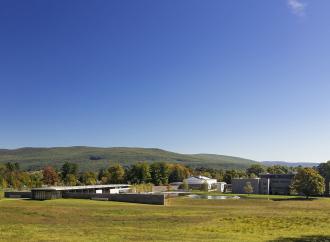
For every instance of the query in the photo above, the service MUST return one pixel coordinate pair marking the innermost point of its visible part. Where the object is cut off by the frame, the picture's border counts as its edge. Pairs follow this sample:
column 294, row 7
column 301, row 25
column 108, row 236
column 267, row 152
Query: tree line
column 157, row 173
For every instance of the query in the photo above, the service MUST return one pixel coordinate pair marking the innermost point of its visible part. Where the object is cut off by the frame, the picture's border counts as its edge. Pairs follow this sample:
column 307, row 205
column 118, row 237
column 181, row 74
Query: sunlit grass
column 183, row 219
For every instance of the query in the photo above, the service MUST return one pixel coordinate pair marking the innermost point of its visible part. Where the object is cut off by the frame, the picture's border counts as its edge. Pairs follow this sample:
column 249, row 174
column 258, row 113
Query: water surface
column 211, row 197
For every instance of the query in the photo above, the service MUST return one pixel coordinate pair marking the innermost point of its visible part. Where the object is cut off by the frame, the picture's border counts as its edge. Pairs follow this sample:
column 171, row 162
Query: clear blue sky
column 244, row 78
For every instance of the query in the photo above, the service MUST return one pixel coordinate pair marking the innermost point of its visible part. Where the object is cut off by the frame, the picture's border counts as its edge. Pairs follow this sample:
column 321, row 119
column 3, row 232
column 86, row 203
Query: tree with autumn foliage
column 50, row 176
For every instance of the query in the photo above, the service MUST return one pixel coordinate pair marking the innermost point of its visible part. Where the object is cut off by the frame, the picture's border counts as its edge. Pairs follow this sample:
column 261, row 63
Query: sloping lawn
column 182, row 219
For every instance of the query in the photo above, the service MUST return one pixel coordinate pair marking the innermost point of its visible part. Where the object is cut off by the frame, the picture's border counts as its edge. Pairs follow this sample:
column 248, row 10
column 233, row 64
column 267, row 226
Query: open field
column 183, row 219
column 250, row 196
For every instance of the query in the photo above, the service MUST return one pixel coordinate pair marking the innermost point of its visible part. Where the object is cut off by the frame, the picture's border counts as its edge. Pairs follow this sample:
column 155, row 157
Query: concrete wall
column 238, row 185
column 279, row 183
column 83, row 195
column 157, row 199
column 18, row 194
column 46, row 195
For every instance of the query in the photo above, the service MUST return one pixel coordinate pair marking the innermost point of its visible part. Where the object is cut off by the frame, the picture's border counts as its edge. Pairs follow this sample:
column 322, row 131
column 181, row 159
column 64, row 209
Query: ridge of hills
column 94, row 158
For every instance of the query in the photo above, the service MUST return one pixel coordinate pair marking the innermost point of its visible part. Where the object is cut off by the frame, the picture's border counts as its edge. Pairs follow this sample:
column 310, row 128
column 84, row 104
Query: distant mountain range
column 292, row 164
column 94, row 158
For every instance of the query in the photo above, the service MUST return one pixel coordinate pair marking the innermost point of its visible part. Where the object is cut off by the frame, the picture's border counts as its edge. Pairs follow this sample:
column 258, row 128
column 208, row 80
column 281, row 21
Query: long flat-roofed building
column 275, row 184
column 279, row 184
column 46, row 193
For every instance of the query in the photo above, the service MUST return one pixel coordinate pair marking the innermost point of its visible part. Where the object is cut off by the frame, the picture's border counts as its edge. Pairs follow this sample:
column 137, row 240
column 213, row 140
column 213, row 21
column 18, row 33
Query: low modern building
column 238, row 185
column 196, row 182
column 276, row 184
column 45, row 193
column 279, row 184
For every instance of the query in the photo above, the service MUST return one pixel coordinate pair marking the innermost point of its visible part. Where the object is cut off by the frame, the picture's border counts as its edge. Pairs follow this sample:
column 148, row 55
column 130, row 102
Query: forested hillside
column 94, row 158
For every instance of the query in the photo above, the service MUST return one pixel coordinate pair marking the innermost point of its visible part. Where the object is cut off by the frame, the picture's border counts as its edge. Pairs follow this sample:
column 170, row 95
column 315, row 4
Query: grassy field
column 250, row 196
column 183, row 219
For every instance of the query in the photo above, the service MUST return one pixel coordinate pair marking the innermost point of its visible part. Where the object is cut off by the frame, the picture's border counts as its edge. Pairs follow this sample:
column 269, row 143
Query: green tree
column 3, row 183
column 324, row 170
column 159, row 172
column 256, row 169
column 12, row 167
column 33, row 179
column 69, row 168
column 88, row 178
column 185, row 185
column 278, row 169
column 103, row 176
column 209, row 172
column 116, row 174
column 70, row 180
column 248, row 188
column 139, row 173
column 252, row 175
column 178, row 173
column 308, row 182
column 13, row 176
column 233, row 173
column 69, row 173
column 218, row 174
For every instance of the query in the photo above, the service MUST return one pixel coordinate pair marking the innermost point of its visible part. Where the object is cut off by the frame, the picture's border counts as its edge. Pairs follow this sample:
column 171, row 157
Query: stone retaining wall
column 157, row 199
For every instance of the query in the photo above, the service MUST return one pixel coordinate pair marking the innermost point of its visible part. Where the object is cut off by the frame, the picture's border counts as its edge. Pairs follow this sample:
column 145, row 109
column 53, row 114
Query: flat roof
column 67, row 188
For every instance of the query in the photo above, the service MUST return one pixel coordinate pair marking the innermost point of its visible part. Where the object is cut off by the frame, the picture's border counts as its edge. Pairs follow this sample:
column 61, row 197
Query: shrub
column 185, row 185
column 248, row 188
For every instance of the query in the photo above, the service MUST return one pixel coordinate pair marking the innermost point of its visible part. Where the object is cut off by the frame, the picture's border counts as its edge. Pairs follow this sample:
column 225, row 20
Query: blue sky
column 244, row 78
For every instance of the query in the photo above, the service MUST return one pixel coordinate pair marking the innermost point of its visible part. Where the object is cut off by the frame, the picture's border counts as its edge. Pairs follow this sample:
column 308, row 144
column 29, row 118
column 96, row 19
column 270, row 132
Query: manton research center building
column 276, row 184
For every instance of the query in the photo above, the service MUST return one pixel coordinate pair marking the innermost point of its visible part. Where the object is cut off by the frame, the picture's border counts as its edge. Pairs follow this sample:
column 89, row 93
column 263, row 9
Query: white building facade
column 196, row 182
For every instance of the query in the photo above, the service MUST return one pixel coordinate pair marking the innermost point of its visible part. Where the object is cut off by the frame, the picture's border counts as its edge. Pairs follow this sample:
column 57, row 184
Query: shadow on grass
column 309, row 238
column 294, row 199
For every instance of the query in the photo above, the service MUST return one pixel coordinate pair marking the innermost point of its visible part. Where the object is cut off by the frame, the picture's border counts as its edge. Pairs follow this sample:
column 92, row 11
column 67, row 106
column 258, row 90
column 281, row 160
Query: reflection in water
column 214, row 197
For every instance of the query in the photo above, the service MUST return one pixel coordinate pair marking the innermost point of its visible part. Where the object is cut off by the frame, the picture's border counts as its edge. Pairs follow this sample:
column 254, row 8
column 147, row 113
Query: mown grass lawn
column 183, row 219
column 252, row 196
